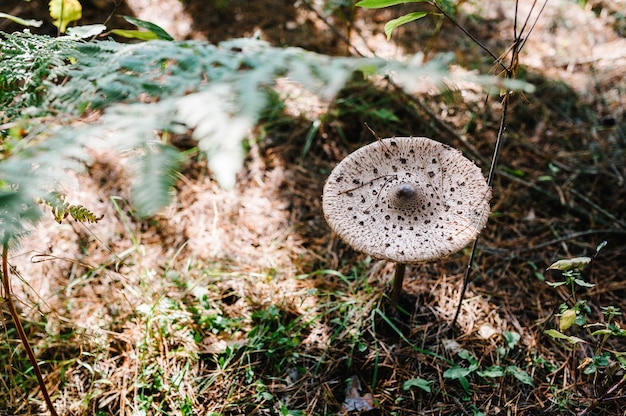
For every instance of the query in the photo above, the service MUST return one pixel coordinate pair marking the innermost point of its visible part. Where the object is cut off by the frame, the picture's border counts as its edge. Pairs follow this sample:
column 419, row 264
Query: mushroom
column 407, row 200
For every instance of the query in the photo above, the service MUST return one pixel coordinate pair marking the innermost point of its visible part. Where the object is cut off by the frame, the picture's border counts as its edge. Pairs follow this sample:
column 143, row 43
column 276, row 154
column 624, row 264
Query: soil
column 559, row 191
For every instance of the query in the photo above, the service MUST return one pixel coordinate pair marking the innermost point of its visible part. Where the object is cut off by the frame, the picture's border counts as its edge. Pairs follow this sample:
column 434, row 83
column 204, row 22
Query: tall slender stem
column 20, row 329
column 492, row 170
column 398, row 278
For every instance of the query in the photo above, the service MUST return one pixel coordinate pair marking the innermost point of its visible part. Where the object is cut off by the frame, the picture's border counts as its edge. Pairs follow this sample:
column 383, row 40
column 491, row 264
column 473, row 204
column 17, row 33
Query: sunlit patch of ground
column 242, row 302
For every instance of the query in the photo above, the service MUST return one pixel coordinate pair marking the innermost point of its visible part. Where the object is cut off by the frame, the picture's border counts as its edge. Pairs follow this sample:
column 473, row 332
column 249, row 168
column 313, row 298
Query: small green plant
column 60, row 210
column 499, row 369
column 575, row 315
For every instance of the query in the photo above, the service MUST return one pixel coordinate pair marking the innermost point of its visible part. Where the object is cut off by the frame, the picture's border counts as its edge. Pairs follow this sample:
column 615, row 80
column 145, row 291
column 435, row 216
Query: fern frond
column 61, row 209
column 81, row 214
column 155, row 177
column 31, row 173
column 217, row 91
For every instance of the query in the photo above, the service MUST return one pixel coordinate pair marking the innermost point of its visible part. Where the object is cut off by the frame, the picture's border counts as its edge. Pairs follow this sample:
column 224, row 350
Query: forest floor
column 242, row 302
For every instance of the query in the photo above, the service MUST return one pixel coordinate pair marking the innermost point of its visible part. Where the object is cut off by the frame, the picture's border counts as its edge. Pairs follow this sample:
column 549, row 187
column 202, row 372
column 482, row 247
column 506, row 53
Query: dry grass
column 242, row 302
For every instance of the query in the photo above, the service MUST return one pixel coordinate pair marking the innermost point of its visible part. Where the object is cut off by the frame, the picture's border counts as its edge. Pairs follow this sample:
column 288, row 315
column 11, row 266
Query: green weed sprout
column 578, row 312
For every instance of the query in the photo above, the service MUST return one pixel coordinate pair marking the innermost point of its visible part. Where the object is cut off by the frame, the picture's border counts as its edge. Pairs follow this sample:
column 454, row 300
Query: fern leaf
column 217, row 91
column 82, row 214
column 155, row 177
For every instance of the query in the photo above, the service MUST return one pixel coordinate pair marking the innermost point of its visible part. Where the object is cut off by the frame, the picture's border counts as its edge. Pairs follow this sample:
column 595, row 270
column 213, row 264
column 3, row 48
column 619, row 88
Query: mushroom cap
column 406, row 199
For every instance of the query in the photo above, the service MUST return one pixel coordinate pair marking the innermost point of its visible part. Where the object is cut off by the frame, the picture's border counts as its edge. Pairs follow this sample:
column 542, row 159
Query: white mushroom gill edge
column 406, row 199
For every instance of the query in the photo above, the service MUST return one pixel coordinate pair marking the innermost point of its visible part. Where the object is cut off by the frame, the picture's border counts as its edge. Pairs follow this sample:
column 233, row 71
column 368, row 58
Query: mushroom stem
column 398, row 277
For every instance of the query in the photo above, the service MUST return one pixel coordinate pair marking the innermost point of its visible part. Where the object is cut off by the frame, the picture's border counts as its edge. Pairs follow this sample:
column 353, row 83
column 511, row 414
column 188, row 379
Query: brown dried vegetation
column 243, row 302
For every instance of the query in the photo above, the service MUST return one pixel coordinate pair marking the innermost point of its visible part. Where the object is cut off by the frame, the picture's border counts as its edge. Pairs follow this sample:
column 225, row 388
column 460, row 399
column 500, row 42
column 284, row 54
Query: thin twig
column 333, row 28
column 604, row 396
column 492, row 171
column 472, row 37
column 439, row 123
column 20, row 329
column 598, row 208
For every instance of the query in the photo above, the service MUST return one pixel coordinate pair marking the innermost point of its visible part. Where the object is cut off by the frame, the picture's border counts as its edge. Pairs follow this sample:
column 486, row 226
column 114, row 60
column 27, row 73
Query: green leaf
column 379, row 4
column 466, row 355
column 20, row 21
column 601, row 332
column 135, row 34
column 519, row 374
column 391, row 25
column 581, row 282
column 577, row 263
column 64, row 12
column 151, row 27
column 515, row 172
column 464, row 382
column 457, row 372
column 568, row 318
column 418, row 382
column 87, row 31
column 492, row 372
column 557, row 335
column 511, row 338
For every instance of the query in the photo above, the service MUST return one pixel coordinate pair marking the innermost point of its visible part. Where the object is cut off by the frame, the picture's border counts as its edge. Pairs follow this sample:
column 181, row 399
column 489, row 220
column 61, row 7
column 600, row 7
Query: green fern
column 62, row 209
column 216, row 91
column 30, row 172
